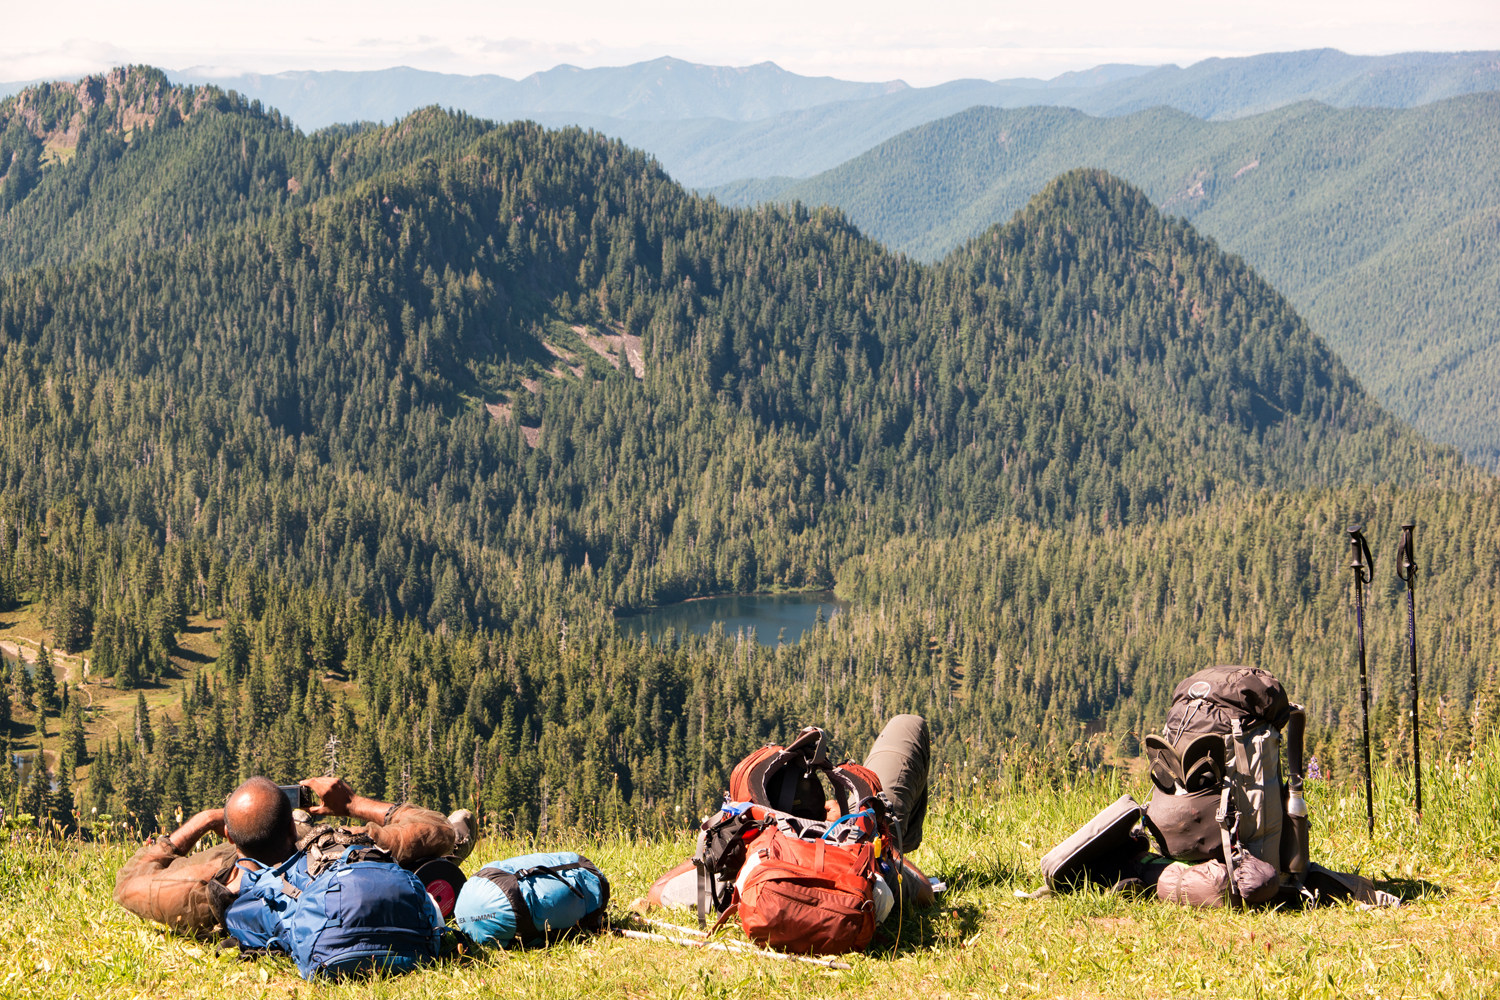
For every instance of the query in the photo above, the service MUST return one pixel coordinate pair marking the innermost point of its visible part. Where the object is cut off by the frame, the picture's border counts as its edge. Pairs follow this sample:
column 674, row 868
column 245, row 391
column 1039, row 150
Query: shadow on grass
column 977, row 872
column 940, row 925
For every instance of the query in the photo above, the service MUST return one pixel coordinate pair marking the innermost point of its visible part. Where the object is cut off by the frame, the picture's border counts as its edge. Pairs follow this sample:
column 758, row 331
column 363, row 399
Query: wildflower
column 1314, row 770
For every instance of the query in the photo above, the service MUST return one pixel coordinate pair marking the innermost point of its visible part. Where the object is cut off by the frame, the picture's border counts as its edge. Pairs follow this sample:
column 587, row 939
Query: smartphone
column 299, row 796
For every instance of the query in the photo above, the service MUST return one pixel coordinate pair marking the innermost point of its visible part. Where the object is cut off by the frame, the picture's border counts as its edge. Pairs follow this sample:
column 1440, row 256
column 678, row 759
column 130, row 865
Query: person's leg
column 899, row 759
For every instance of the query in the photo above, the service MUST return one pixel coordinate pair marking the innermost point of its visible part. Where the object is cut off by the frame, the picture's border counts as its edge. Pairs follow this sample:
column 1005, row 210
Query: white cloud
column 855, row 39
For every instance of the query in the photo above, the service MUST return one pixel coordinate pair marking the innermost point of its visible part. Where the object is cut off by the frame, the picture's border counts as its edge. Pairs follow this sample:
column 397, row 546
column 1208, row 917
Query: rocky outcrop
column 123, row 100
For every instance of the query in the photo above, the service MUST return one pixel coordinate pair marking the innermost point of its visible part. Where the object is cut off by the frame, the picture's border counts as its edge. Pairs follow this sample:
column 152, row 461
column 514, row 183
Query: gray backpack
column 1235, row 831
column 1216, row 770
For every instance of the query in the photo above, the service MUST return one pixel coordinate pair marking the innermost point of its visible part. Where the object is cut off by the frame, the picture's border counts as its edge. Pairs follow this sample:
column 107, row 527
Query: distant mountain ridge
column 711, row 124
column 664, row 89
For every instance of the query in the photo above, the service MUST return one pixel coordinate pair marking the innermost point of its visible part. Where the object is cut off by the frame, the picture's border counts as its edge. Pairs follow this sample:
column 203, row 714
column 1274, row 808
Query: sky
column 921, row 43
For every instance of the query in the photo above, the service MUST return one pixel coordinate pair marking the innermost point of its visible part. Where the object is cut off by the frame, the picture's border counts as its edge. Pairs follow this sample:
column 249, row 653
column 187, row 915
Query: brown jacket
column 189, row 893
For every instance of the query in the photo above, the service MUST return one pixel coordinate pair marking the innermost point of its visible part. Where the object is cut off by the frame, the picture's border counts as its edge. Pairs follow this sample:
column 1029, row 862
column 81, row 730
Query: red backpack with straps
column 808, row 896
column 797, row 880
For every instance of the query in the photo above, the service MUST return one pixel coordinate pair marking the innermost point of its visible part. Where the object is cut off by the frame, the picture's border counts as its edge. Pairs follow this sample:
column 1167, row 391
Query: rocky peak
column 123, row 100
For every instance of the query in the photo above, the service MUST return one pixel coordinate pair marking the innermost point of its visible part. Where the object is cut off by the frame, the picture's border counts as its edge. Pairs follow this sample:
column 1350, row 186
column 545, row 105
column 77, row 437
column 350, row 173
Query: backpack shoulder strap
column 748, row 781
column 852, row 784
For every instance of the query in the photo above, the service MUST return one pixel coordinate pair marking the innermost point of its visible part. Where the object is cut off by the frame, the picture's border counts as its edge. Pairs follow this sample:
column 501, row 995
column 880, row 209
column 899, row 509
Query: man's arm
column 186, row 836
column 163, row 882
column 410, row 833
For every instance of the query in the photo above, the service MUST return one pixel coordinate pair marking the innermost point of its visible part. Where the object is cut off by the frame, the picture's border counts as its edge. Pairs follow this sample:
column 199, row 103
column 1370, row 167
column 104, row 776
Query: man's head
column 258, row 819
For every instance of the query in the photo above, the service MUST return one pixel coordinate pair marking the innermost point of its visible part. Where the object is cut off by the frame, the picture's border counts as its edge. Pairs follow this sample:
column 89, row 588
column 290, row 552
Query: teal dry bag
column 532, row 898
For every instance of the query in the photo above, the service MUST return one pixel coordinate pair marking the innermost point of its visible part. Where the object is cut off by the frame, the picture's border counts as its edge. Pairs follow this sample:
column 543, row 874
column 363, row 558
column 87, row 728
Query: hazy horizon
column 959, row 39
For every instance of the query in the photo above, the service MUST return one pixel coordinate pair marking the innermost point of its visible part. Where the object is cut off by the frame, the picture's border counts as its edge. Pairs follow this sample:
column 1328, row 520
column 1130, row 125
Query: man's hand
column 213, row 820
column 334, row 793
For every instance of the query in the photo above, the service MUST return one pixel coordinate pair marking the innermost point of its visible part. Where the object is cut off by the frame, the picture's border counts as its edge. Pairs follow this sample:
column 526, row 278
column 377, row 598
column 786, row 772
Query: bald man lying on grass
column 189, row 892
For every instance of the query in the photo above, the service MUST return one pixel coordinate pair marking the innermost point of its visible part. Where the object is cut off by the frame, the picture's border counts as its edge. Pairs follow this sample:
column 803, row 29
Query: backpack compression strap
column 510, row 885
column 1229, row 821
column 554, row 871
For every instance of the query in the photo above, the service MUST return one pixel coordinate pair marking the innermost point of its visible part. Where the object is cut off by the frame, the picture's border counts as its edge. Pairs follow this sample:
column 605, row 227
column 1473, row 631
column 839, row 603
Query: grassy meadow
column 61, row 934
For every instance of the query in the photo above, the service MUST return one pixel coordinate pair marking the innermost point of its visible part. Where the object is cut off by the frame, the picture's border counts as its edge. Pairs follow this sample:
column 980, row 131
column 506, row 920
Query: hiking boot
column 465, row 830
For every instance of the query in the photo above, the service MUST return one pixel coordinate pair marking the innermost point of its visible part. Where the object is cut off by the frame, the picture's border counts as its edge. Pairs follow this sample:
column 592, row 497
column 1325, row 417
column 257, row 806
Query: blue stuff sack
column 532, row 898
column 362, row 913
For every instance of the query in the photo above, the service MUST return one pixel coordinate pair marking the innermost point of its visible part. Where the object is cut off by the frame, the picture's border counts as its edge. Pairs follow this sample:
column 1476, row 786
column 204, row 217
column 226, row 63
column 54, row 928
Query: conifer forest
column 341, row 452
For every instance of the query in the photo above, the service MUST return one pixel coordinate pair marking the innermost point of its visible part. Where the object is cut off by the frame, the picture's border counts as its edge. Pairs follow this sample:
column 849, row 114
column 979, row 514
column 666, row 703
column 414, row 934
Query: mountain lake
column 773, row 617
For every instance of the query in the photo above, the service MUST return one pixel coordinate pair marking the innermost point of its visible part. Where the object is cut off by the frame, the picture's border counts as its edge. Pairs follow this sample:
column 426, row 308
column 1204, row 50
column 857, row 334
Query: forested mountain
column 336, row 357
column 228, row 163
column 1381, row 226
column 382, row 441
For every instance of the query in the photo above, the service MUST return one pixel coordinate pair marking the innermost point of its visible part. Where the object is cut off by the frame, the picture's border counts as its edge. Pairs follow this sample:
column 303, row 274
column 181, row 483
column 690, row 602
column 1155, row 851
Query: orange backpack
column 807, row 896
column 798, row 879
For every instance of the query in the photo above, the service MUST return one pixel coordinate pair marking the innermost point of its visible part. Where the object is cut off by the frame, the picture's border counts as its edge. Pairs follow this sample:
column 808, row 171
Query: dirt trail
column 14, row 648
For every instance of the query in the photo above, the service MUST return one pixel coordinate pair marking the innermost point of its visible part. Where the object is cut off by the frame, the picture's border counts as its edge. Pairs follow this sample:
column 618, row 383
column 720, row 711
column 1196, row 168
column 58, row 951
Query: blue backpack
column 355, row 910
column 254, row 918
column 531, row 898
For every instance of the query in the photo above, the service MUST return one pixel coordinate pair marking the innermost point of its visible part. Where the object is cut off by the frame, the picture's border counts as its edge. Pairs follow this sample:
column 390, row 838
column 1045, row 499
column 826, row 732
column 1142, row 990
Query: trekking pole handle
column 1406, row 569
column 1363, row 562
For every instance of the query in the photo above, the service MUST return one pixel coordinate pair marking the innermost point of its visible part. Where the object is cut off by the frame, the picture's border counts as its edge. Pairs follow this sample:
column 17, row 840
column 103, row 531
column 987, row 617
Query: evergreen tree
column 36, row 797
column 73, row 751
column 145, row 737
column 234, row 646
column 8, row 780
column 46, row 682
column 22, row 686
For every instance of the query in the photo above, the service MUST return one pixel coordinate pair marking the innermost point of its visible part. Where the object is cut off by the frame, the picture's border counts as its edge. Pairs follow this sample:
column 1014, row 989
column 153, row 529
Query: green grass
column 61, row 935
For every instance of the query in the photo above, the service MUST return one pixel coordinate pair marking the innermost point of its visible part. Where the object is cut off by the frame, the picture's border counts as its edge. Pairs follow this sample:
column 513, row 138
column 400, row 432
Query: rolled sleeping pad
column 1207, row 884
column 677, row 887
column 1294, row 834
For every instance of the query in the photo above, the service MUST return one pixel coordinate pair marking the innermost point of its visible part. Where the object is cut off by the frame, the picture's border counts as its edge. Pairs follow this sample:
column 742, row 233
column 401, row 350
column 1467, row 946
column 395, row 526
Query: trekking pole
column 1363, row 564
column 1407, row 571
